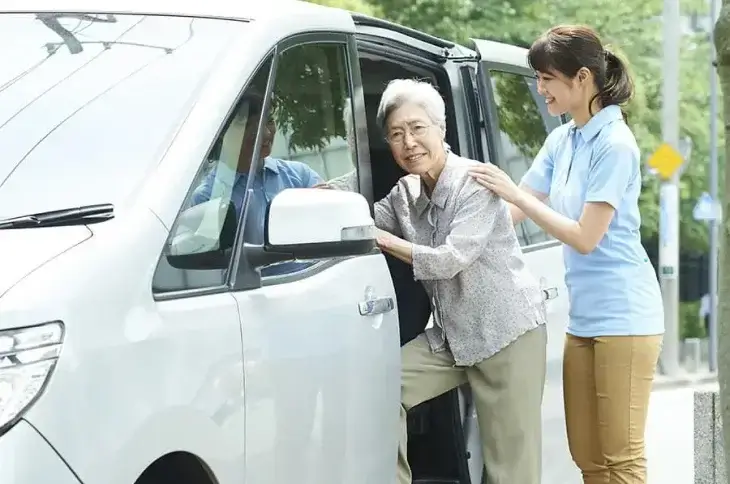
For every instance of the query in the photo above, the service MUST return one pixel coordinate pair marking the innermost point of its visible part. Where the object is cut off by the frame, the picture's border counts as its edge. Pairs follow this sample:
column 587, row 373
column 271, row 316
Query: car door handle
column 377, row 305
column 549, row 293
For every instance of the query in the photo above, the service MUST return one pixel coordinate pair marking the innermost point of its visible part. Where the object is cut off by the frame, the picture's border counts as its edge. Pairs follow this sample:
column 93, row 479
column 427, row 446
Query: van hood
column 24, row 250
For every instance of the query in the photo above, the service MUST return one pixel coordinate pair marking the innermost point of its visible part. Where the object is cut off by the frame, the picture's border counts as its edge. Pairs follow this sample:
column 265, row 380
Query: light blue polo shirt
column 613, row 290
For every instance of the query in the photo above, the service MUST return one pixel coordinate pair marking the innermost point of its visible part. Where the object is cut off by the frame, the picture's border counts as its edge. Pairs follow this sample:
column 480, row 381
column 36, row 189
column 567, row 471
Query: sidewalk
column 684, row 380
column 670, row 434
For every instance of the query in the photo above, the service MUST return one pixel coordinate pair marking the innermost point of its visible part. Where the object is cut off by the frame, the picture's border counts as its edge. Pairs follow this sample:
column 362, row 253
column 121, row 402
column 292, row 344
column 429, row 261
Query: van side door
column 320, row 338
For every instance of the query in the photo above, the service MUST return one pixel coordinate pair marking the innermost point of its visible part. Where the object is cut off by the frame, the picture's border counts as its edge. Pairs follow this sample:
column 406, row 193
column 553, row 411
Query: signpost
column 667, row 162
column 706, row 209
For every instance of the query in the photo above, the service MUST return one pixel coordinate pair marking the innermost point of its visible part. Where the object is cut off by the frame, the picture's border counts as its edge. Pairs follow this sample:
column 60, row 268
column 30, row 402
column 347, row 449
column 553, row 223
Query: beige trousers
column 606, row 386
column 507, row 389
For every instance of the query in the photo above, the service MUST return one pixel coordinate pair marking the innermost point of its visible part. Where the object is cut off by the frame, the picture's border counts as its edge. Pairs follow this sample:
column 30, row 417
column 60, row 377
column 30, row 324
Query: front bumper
column 26, row 458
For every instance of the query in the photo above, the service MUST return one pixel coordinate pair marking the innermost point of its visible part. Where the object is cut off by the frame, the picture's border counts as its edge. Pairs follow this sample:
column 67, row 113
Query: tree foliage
column 314, row 73
column 632, row 29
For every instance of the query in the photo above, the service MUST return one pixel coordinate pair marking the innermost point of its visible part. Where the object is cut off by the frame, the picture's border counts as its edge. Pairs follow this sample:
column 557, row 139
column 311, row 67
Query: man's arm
column 309, row 177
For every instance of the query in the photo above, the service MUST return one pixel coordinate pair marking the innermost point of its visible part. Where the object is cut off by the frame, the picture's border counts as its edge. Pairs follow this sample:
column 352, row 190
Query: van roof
column 251, row 10
column 241, row 10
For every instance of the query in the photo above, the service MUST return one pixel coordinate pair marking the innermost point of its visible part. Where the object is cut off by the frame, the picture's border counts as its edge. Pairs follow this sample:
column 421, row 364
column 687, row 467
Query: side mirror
column 312, row 223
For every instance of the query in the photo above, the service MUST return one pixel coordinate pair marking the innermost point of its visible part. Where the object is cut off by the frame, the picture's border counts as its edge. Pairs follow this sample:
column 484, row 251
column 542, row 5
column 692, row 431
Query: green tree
column 360, row 6
column 312, row 74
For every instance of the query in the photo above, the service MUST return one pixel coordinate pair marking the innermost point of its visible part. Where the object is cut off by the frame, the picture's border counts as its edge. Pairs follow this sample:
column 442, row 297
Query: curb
column 663, row 382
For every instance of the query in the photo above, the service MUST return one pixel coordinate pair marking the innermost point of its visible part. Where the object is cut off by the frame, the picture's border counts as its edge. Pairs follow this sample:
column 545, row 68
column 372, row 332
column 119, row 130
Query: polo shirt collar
column 271, row 164
column 594, row 125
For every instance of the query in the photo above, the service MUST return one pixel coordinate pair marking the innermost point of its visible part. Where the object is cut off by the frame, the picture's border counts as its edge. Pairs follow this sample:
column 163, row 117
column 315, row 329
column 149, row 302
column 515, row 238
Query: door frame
column 242, row 276
column 488, row 104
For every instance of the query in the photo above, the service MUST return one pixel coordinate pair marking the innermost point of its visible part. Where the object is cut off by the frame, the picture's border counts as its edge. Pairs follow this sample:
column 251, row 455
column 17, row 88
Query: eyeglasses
column 398, row 136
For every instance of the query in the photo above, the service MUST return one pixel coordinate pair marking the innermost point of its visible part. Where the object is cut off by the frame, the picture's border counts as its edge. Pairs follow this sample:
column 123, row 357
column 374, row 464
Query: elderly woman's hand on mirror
column 492, row 177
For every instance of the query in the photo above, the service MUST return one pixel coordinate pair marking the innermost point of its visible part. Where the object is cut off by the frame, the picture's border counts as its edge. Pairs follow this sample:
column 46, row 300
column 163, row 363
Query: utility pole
column 714, row 181
column 669, row 193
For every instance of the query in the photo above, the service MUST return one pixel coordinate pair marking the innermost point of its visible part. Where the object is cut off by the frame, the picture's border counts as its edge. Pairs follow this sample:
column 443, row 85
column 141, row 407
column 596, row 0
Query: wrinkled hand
column 491, row 176
column 324, row 185
column 382, row 238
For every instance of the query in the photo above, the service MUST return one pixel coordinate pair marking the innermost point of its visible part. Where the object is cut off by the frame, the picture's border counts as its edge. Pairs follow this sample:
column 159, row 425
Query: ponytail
column 617, row 88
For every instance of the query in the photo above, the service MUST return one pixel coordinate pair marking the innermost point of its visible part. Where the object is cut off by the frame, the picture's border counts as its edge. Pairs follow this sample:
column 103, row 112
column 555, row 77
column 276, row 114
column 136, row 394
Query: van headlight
column 27, row 358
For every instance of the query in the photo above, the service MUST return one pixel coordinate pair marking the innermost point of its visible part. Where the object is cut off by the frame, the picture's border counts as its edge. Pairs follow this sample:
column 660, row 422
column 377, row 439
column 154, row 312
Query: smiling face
column 562, row 94
column 416, row 142
column 571, row 67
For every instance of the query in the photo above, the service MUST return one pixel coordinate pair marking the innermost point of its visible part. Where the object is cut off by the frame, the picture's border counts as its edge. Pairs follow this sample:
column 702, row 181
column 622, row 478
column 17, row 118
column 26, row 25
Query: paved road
column 558, row 467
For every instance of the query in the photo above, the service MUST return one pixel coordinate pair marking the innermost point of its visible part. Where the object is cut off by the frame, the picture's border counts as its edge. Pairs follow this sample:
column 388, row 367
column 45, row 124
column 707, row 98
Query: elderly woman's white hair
column 411, row 91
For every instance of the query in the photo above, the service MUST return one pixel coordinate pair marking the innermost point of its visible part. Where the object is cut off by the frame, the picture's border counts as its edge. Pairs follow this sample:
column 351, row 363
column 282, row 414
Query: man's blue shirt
column 276, row 175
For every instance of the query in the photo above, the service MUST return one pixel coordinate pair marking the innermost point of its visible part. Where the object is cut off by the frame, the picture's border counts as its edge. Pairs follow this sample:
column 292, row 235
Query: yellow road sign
column 666, row 161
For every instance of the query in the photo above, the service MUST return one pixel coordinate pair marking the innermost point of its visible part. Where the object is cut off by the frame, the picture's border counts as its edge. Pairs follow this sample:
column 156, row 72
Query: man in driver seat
column 229, row 178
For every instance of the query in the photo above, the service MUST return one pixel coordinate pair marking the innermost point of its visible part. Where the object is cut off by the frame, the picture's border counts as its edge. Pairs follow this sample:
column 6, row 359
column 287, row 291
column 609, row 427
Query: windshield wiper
column 88, row 214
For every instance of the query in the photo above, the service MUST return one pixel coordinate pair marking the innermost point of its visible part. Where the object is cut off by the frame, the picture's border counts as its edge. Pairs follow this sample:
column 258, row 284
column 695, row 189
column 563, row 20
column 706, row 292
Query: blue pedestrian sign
column 706, row 208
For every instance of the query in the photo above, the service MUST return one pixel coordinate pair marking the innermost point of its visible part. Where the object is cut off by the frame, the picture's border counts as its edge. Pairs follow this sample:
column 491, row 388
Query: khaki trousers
column 507, row 389
column 606, row 386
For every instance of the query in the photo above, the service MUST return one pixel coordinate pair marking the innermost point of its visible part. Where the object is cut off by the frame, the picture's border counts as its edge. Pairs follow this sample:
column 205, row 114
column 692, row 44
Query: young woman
column 590, row 170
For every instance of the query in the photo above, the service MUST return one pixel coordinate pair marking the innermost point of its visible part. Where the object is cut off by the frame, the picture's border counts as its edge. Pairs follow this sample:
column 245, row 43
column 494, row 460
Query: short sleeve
column 612, row 169
column 540, row 175
column 310, row 177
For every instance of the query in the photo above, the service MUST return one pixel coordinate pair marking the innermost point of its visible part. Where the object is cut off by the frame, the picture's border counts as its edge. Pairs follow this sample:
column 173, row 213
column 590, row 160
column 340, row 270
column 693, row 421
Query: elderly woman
column 488, row 311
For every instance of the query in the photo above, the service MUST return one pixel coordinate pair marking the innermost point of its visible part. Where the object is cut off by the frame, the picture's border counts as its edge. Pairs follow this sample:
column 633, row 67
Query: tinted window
column 88, row 103
column 200, row 246
column 305, row 141
column 311, row 112
column 523, row 130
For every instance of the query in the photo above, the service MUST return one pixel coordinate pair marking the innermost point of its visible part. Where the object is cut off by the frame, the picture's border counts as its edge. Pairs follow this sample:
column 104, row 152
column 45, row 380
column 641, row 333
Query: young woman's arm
column 516, row 212
column 536, row 181
column 583, row 235
column 613, row 169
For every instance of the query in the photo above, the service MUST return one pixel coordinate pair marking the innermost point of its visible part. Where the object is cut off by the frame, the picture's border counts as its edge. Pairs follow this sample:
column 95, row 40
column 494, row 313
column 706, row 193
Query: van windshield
column 89, row 102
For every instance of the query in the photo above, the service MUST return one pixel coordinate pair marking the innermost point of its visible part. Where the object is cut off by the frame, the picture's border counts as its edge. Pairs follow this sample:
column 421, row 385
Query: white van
column 150, row 337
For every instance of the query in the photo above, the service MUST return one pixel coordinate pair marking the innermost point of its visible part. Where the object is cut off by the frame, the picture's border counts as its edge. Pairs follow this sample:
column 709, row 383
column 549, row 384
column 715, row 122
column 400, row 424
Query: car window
column 89, row 103
column 311, row 116
column 312, row 109
column 522, row 131
column 200, row 246
column 304, row 142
